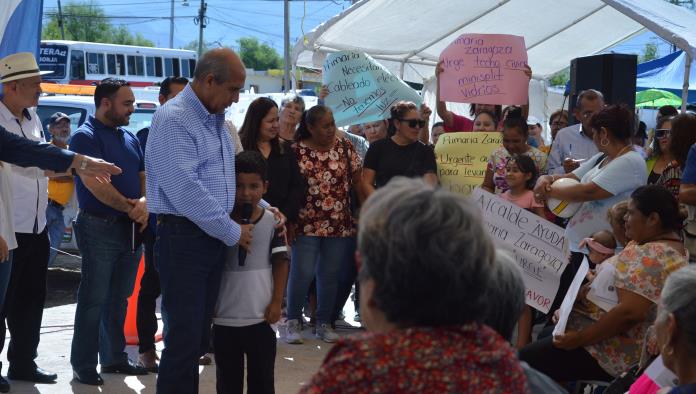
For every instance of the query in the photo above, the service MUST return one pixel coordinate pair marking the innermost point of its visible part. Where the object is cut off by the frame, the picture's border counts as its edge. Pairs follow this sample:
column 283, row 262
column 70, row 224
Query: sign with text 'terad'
column 362, row 90
column 462, row 159
column 485, row 69
column 538, row 246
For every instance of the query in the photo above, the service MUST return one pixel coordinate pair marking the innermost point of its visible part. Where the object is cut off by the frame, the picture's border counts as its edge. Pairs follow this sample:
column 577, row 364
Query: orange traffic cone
column 130, row 328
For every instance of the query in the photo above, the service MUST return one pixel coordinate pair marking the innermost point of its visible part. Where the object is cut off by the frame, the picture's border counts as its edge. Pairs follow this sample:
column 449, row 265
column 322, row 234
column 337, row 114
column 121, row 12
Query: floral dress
column 326, row 207
column 499, row 159
column 640, row 269
column 455, row 359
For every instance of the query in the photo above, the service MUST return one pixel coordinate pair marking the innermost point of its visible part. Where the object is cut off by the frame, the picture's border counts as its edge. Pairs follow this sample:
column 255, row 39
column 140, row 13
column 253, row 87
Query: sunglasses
column 413, row 123
column 662, row 133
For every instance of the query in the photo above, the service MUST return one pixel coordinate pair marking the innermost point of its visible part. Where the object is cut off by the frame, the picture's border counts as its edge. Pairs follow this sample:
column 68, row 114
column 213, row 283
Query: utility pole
column 171, row 27
column 60, row 21
column 287, row 46
column 201, row 25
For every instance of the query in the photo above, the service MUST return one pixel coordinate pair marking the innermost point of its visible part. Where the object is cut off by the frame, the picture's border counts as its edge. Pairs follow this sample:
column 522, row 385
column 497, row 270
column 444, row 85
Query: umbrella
column 656, row 98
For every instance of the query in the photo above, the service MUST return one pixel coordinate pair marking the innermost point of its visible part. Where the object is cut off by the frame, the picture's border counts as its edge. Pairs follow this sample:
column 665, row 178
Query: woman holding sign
column 402, row 154
column 600, row 344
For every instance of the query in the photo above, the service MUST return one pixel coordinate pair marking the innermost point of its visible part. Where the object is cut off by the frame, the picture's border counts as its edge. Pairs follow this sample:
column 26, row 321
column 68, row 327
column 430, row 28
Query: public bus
column 85, row 63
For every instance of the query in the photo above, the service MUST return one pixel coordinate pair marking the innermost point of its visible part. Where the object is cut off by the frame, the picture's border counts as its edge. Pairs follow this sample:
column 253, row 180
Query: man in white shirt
column 574, row 144
column 26, row 292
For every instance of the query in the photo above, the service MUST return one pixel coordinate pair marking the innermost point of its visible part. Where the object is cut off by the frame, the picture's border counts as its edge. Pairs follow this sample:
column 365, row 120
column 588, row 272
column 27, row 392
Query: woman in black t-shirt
column 402, row 154
column 260, row 132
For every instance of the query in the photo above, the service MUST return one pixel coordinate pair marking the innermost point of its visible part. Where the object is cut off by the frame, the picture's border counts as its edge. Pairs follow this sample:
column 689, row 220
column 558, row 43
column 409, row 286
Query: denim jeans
column 322, row 257
column 55, row 223
column 190, row 264
column 109, row 267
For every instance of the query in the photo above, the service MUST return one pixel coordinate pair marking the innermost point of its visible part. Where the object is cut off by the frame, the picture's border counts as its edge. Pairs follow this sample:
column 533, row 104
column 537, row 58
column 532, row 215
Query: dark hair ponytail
column 310, row 118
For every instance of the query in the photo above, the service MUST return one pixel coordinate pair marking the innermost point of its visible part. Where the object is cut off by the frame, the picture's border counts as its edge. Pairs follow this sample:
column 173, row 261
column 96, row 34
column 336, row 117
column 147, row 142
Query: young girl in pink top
column 521, row 174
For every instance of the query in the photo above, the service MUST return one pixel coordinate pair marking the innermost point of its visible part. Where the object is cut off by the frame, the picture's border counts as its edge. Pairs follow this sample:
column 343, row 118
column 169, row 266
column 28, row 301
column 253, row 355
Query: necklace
column 608, row 160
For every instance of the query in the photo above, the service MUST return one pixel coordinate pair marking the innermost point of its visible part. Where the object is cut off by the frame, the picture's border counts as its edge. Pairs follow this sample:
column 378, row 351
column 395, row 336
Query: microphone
column 245, row 211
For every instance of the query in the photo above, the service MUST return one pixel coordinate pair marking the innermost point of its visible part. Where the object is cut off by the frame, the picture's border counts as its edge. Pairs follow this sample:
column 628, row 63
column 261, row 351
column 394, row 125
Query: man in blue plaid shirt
column 191, row 187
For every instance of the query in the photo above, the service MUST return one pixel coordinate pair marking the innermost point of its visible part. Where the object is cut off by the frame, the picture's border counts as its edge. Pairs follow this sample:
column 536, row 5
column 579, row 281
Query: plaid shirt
column 190, row 166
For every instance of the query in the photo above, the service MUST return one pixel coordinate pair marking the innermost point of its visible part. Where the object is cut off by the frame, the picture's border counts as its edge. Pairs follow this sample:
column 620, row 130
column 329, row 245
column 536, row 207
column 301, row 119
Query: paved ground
column 295, row 364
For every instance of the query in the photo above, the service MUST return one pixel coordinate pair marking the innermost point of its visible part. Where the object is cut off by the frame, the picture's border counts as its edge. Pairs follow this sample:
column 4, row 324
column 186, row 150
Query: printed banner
column 537, row 245
column 462, row 159
column 485, row 69
column 362, row 90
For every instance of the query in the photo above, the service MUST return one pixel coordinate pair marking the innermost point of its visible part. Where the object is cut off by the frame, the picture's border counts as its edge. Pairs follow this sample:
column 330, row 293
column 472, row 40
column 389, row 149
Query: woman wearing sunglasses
column 678, row 141
column 402, row 154
column 661, row 156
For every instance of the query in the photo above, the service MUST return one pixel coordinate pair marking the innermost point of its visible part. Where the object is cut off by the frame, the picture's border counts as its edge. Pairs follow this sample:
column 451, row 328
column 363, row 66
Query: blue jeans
column 109, row 267
column 190, row 264
column 321, row 257
column 55, row 223
column 5, row 272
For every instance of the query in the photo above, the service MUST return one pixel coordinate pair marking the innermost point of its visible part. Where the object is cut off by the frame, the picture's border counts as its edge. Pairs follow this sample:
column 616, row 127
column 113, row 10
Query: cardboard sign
column 537, row 245
column 362, row 90
column 570, row 297
column 485, row 69
column 462, row 159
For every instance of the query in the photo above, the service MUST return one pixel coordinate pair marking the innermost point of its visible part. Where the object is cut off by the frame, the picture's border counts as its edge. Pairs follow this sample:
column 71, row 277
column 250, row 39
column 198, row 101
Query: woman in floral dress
column 325, row 226
column 600, row 344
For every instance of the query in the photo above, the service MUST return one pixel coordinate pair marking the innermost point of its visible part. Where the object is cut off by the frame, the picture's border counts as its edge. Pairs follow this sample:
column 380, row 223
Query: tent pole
column 685, row 87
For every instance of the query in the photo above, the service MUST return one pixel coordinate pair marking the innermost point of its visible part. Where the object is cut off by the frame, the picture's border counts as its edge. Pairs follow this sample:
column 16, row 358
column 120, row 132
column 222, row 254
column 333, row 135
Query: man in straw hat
column 20, row 77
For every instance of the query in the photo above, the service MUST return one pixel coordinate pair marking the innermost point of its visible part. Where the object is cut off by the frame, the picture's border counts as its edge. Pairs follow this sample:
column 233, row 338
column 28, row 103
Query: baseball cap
column 532, row 120
column 58, row 116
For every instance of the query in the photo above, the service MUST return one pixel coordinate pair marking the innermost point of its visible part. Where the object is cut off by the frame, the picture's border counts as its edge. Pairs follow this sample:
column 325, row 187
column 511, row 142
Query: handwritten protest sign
column 537, row 245
column 462, row 159
column 485, row 69
column 360, row 89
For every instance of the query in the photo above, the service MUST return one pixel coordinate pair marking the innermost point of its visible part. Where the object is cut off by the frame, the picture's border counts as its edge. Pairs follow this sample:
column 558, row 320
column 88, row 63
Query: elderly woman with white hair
column 426, row 264
column 675, row 328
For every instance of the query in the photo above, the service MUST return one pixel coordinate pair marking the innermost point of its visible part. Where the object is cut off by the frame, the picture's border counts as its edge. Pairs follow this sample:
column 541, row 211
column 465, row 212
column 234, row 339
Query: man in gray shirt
column 574, row 144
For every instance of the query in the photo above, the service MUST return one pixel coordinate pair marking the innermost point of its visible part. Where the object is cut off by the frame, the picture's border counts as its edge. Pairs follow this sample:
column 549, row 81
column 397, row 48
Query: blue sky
column 263, row 19
column 229, row 19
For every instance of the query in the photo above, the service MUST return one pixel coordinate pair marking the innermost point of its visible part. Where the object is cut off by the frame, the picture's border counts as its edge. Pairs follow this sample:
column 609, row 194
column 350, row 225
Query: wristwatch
column 83, row 166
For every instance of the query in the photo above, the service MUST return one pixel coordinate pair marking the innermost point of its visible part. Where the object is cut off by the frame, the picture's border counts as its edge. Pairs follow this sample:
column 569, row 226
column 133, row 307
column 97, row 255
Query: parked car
column 79, row 107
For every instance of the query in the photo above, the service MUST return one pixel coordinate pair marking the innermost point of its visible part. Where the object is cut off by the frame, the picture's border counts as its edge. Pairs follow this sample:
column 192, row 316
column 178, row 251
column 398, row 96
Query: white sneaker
column 326, row 333
column 293, row 333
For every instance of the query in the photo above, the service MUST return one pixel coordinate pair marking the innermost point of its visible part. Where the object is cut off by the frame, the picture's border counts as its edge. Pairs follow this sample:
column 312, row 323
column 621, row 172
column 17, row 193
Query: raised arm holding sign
column 487, row 70
column 360, row 89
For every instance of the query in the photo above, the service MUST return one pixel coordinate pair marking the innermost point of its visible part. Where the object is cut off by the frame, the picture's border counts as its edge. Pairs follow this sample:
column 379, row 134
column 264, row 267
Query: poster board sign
column 462, row 159
column 570, row 297
column 538, row 246
column 485, row 69
column 360, row 89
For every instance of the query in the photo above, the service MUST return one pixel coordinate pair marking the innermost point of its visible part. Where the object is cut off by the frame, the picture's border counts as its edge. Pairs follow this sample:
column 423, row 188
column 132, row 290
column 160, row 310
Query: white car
column 79, row 107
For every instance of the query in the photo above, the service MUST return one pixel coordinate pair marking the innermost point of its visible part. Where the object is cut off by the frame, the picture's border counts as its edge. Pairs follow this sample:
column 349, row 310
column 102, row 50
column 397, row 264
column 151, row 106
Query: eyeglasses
column 662, row 133
column 559, row 124
column 413, row 123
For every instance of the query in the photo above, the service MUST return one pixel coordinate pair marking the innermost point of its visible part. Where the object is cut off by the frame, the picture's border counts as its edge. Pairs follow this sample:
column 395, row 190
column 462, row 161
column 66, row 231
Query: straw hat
column 19, row 66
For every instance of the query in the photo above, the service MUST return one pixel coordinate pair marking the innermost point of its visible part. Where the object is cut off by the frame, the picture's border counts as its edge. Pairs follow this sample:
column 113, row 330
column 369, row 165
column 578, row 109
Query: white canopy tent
column 407, row 36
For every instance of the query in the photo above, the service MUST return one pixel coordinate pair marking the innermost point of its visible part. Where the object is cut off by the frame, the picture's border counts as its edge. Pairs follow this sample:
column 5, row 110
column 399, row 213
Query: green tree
column 649, row 52
column 258, row 56
column 560, row 78
column 86, row 21
column 193, row 46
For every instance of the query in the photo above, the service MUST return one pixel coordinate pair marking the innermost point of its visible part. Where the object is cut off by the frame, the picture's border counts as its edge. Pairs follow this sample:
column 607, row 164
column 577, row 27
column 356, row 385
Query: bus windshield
column 53, row 57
